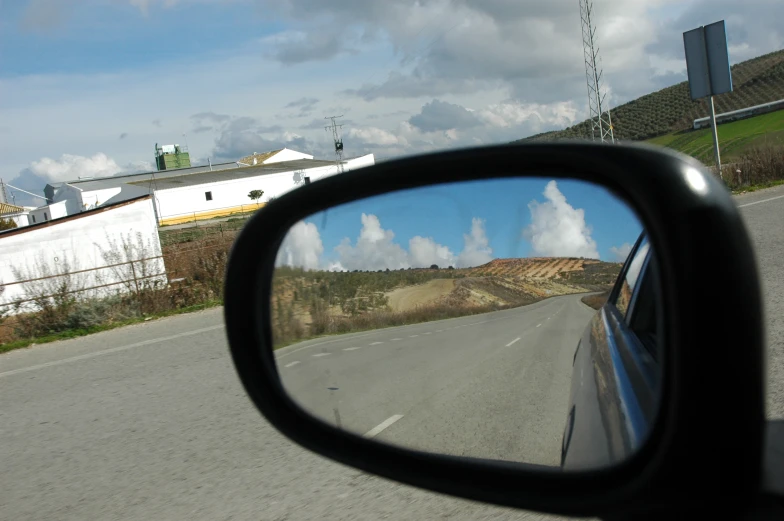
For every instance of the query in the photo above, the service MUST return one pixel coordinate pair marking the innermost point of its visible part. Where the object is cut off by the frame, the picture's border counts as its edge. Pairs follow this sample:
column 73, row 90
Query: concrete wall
column 80, row 243
column 21, row 218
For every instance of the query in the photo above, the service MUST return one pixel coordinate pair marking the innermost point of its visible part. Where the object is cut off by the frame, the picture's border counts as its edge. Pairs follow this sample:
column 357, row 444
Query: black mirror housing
column 707, row 442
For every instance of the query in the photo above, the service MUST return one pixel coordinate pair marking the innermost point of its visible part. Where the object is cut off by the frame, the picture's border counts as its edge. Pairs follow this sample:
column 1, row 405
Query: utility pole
column 601, row 122
column 337, row 140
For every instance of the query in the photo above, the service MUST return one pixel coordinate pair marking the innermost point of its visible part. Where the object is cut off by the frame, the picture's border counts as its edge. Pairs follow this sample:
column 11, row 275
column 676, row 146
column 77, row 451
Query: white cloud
column 70, row 167
column 374, row 248
column 476, row 248
column 302, row 247
column 374, row 136
column 557, row 229
column 424, row 252
column 621, row 252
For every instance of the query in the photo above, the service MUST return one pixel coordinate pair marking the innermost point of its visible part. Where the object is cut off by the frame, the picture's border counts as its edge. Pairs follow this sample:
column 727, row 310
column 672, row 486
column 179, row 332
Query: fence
column 136, row 276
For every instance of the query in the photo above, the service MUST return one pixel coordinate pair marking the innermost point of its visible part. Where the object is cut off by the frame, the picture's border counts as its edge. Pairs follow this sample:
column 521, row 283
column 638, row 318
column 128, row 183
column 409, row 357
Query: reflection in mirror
column 479, row 319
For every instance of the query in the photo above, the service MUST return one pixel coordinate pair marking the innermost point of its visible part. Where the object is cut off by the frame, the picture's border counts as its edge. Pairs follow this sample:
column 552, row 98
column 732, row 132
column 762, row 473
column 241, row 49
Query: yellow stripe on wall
column 210, row 214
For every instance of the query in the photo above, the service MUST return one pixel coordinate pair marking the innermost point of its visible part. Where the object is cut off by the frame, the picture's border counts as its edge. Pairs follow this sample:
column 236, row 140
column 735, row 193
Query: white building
column 86, row 242
column 204, row 192
column 19, row 215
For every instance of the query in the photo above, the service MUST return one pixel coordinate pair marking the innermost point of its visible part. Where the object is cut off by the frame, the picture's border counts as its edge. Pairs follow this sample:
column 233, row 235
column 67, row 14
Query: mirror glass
column 490, row 319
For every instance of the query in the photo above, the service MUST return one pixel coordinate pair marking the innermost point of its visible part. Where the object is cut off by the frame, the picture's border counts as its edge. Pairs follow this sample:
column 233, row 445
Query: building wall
column 287, row 155
column 48, row 212
column 79, row 243
column 72, row 197
column 21, row 218
column 96, row 198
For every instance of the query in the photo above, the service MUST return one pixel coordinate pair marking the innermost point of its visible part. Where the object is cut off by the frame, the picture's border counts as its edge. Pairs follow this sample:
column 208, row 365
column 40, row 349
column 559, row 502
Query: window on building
column 46, row 217
column 307, row 180
column 208, row 196
column 33, row 216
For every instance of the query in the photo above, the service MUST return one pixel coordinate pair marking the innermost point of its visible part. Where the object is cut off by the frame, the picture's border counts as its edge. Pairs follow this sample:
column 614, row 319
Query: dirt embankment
column 410, row 297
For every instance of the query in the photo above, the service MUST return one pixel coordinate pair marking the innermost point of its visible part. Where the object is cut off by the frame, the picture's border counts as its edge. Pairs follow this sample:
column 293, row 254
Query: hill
column 735, row 138
column 307, row 303
column 756, row 81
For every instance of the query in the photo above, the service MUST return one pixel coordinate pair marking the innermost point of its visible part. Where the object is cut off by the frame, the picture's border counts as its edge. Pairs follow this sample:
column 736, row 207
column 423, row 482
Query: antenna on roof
column 337, row 140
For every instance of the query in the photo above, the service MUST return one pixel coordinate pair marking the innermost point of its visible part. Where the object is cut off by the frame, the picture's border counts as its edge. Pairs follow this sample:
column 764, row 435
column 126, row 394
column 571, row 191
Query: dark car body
column 616, row 371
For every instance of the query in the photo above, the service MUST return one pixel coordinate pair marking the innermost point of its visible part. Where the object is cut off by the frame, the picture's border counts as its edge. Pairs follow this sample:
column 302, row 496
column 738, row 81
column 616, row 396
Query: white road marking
column 383, row 425
column 439, row 330
column 376, row 343
column 429, row 333
column 413, row 336
column 537, row 325
column 322, row 354
column 352, row 348
column 760, row 202
column 295, row 362
column 109, row 351
column 513, row 341
column 396, row 339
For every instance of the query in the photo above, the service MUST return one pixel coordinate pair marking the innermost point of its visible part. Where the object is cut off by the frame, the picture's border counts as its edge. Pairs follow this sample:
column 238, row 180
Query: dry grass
column 596, row 301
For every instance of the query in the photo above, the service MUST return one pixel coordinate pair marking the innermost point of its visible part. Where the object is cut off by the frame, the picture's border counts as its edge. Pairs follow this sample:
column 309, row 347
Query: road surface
column 150, row 421
column 488, row 386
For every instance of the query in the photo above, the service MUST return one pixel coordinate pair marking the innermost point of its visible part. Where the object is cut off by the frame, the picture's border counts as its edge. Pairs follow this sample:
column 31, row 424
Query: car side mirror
column 548, row 327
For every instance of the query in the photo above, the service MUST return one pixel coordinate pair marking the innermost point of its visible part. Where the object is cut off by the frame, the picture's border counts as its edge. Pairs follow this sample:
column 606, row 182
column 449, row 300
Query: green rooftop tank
column 171, row 157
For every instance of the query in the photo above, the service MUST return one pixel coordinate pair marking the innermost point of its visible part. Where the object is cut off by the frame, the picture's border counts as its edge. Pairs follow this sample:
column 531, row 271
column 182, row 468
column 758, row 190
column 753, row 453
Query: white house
column 86, row 242
column 202, row 192
column 212, row 194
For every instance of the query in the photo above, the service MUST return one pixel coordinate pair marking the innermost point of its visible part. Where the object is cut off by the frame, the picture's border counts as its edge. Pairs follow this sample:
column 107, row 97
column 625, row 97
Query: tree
column 7, row 224
column 451, row 267
column 255, row 195
column 434, row 266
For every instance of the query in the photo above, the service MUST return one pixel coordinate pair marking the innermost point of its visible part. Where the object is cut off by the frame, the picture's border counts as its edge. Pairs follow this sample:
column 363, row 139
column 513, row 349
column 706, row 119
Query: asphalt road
column 764, row 215
column 489, row 386
column 150, row 421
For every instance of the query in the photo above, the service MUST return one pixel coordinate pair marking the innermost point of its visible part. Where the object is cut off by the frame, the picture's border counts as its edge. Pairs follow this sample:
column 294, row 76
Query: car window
column 629, row 282
column 644, row 314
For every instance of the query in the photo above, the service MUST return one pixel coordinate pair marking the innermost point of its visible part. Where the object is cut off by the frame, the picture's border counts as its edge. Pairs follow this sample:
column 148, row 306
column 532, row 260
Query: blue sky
column 89, row 86
column 498, row 216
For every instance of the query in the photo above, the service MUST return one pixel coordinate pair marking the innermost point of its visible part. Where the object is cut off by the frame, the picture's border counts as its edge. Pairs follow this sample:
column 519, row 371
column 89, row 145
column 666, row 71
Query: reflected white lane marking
column 429, row 333
column 513, row 341
column 413, row 336
column 383, row 425
column 322, row 354
column 352, row 348
column 396, row 339
column 295, row 362
column 439, row 330
column 537, row 325
column 376, row 343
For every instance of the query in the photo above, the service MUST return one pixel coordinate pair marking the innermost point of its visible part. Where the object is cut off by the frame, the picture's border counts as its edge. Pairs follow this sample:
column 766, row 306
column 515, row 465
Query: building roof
column 239, row 173
column 260, row 158
column 7, row 208
column 100, row 183
column 54, row 222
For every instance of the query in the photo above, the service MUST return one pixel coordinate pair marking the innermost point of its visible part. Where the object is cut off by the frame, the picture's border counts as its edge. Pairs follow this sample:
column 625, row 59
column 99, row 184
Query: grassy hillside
column 308, row 303
column 755, row 81
column 735, row 138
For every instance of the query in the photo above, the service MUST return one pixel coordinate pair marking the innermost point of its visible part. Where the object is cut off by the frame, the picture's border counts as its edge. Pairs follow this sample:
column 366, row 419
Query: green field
column 734, row 138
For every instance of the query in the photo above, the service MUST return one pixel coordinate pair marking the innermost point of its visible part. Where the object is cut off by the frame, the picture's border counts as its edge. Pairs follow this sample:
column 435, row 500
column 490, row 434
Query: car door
column 616, row 370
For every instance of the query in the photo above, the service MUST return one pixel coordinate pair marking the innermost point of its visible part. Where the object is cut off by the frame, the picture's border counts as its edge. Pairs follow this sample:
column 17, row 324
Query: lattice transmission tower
column 598, row 107
column 335, row 127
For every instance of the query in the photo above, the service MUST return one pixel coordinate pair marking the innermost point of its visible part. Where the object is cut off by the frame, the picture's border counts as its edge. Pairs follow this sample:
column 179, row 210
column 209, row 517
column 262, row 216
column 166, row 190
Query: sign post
column 708, row 69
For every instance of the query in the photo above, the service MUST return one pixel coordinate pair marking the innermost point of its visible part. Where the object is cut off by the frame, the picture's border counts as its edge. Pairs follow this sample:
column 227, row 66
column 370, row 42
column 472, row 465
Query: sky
column 448, row 225
column 87, row 87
